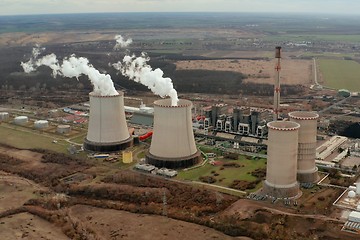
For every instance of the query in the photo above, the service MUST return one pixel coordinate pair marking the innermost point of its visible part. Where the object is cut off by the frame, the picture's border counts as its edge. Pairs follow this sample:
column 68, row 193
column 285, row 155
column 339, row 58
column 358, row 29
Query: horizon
column 49, row 7
column 295, row 14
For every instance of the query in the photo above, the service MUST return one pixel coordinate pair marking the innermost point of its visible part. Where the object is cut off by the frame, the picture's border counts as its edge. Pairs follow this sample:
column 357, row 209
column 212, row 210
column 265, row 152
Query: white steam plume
column 121, row 42
column 73, row 67
column 29, row 65
column 137, row 69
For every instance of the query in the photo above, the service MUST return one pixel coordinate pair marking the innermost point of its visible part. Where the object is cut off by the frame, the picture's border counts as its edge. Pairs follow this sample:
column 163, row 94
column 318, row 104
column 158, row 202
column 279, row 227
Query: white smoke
column 73, row 67
column 137, row 69
column 121, row 42
column 29, row 65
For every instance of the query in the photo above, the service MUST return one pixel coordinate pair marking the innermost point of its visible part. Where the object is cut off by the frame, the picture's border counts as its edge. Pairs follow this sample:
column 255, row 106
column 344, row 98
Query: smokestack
column 173, row 144
column 277, row 83
column 107, row 131
column 307, row 170
column 282, row 158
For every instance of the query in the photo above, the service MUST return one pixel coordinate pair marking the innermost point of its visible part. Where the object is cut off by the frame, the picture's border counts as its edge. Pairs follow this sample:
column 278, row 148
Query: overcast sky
column 14, row 7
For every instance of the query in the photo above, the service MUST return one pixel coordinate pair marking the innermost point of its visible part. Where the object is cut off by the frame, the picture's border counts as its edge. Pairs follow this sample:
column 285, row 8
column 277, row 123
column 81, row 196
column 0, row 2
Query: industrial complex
column 259, row 160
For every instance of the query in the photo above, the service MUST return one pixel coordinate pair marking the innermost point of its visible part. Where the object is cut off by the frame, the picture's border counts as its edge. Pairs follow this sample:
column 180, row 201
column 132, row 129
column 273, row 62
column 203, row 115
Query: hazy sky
column 14, row 7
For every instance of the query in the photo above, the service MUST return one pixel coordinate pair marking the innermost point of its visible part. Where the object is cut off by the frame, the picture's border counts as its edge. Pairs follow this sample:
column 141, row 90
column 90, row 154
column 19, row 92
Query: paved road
column 335, row 104
column 315, row 73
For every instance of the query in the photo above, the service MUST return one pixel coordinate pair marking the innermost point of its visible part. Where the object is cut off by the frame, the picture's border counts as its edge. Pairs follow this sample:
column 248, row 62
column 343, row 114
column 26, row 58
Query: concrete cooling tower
column 173, row 143
column 281, row 162
column 306, row 170
column 107, row 129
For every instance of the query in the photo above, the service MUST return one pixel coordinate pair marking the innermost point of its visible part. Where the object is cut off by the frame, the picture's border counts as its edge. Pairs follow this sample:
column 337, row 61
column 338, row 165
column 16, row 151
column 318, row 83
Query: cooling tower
column 281, row 162
column 107, row 129
column 306, row 168
column 173, row 143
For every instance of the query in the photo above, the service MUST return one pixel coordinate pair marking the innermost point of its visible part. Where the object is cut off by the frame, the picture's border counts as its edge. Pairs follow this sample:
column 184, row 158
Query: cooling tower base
column 173, row 163
column 279, row 192
column 107, row 147
column 308, row 177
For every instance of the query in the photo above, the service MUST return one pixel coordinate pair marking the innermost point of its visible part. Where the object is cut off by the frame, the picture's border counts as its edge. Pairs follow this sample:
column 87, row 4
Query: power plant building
column 244, row 121
column 307, row 170
column 173, row 144
column 282, row 160
column 107, row 129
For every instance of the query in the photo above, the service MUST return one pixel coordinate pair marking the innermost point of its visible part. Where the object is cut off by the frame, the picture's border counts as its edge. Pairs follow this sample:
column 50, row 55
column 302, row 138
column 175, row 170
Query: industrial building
column 107, row 129
column 282, row 152
column 173, row 143
column 244, row 121
column 354, row 216
column 306, row 168
column 327, row 148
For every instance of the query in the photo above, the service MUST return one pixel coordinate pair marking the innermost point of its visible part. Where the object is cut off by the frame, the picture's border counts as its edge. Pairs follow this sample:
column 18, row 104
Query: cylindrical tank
column 107, row 129
column 63, row 129
column 41, row 124
column 4, row 116
column 21, row 120
column 306, row 170
column 173, row 144
column 351, row 194
column 281, row 160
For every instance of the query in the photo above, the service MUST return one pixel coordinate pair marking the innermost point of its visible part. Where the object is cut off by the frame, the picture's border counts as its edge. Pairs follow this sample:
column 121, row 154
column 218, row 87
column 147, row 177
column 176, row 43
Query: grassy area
column 28, row 139
column 311, row 37
column 341, row 74
column 228, row 174
column 79, row 139
column 328, row 54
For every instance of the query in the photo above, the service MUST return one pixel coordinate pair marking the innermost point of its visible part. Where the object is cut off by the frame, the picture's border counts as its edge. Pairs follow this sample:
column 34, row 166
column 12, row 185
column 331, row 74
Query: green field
column 79, row 139
column 315, row 37
column 228, row 174
column 27, row 139
column 340, row 74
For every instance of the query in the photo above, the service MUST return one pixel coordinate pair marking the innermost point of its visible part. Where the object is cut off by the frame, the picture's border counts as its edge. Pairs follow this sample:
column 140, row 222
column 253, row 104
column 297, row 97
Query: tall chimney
column 277, row 83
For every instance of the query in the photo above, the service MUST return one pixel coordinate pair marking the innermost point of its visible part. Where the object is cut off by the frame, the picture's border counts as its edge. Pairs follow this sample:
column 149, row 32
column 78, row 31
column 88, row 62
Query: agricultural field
column 353, row 38
column 227, row 171
column 256, row 71
column 340, row 74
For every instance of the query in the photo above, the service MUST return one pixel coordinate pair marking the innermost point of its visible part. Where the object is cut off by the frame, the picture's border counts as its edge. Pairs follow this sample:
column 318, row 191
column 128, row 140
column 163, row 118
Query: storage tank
column 107, row 129
column 4, row 116
column 63, row 129
column 41, row 124
column 351, row 194
column 21, row 120
column 307, row 171
column 281, row 160
column 173, row 144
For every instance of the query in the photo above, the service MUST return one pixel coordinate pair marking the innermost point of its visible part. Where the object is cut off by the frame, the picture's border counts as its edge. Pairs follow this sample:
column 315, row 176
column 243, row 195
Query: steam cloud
column 72, row 67
column 121, row 42
column 137, row 69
